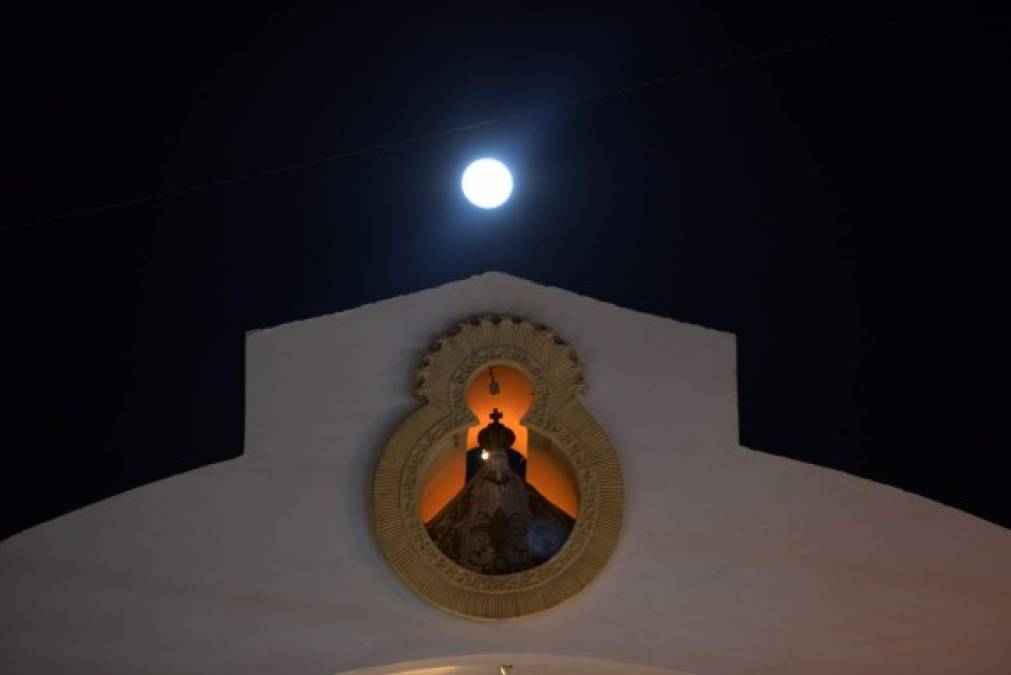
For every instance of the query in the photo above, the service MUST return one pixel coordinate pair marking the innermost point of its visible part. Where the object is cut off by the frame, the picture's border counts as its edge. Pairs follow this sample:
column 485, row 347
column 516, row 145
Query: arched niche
column 548, row 469
column 562, row 451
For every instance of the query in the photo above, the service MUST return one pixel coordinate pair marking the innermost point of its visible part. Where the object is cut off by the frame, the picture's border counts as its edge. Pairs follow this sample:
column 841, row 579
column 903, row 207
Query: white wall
column 731, row 561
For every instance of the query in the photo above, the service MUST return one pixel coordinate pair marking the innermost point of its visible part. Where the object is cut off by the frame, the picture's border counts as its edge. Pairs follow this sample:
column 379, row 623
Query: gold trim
column 557, row 412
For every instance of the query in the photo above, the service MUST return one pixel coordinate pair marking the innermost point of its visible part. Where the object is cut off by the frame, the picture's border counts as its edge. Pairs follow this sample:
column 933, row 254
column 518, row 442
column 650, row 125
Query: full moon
column 487, row 183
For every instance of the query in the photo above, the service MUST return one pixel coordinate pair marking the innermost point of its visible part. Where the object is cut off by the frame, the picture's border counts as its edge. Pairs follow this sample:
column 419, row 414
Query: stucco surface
column 731, row 561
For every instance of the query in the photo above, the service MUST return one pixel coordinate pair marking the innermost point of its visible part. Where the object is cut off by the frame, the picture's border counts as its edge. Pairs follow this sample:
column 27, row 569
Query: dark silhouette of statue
column 498, row 523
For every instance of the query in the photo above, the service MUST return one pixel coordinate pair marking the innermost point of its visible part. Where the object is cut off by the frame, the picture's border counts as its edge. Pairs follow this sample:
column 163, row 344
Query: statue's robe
column 498, row 523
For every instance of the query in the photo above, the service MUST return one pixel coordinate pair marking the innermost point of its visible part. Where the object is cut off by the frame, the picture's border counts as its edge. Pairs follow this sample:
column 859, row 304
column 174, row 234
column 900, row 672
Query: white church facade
column 603, row 519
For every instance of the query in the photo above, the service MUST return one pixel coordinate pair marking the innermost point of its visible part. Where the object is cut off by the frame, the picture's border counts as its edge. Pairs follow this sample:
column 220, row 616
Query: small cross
column 496, row 415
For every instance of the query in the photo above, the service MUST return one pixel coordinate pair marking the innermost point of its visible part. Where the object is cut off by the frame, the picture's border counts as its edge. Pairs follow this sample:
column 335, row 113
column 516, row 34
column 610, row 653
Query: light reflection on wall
column 444, row 477
column 550, row 473
column 546, row 470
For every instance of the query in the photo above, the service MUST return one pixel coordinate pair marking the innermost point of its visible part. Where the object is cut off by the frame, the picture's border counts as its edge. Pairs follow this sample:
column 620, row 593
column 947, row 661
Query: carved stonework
column 442, row 380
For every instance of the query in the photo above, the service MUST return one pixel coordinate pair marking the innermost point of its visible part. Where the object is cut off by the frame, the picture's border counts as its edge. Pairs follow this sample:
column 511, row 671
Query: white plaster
column 731, row 561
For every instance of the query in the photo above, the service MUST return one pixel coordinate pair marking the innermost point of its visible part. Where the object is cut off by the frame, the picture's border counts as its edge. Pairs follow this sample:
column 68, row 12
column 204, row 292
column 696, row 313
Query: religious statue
column 499, row 523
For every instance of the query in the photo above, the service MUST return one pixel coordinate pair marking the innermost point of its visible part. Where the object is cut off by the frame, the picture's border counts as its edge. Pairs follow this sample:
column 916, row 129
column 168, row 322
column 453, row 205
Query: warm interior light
column 547, row 469
column 514, row 398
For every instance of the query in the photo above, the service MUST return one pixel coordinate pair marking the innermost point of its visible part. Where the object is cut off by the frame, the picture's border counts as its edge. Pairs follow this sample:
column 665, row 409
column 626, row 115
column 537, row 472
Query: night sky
column 841, row 207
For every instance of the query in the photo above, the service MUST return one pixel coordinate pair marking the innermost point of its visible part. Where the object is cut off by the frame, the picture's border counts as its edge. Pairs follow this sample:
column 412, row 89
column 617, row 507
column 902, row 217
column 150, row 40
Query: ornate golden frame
column 442, row 379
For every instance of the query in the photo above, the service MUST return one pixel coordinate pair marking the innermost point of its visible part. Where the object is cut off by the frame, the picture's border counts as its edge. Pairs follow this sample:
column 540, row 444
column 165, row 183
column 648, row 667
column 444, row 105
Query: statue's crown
column 496, row 436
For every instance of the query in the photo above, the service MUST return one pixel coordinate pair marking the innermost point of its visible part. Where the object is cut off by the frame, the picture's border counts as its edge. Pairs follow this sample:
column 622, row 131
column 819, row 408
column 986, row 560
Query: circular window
column 501, row 496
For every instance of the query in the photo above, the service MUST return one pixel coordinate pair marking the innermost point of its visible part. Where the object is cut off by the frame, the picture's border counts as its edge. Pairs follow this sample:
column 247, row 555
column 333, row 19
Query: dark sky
column 841, row 208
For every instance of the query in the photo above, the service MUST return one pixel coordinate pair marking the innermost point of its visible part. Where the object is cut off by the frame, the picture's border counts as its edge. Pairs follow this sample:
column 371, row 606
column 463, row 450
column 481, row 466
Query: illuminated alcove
column 546, row 467
column 498, row 497
column 525, row 518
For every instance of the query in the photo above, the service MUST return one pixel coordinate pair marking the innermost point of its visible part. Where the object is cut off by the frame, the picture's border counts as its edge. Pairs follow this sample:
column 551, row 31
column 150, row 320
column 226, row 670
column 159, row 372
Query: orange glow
column 546, row 471
column 514, row 400
column 444, row 480
column 549, row 474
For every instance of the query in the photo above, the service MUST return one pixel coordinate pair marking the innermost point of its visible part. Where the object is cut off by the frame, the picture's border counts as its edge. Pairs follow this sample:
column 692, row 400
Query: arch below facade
column 522, row 664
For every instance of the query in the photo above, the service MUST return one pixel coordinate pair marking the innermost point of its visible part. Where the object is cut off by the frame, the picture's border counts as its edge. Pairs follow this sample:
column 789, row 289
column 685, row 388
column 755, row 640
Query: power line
column 627, row 89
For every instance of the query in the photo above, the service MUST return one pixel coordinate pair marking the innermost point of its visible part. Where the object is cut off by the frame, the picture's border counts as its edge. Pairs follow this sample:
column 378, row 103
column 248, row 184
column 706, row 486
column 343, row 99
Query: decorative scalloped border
column 442, row 378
